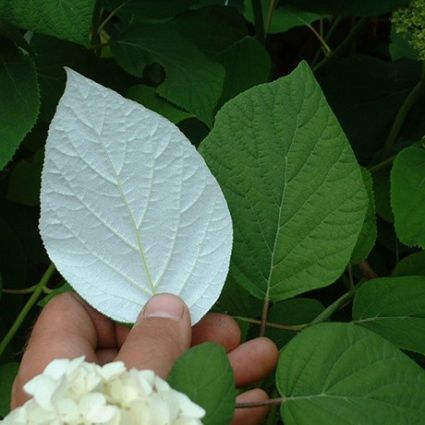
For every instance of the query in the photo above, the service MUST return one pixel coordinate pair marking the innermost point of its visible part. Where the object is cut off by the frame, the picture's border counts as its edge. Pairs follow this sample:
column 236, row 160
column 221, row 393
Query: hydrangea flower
column 76, row 392
column 410, row 21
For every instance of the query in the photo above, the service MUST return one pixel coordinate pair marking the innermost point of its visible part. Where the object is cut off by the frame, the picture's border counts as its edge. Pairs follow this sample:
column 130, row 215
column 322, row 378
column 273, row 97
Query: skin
column 68, row 328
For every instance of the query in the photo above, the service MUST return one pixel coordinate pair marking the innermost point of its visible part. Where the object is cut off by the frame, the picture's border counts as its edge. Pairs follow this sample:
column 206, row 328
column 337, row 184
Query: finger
column 159, row 336
column 253, row 360
column 63, row 330
column 218, row 328
column 254, row 415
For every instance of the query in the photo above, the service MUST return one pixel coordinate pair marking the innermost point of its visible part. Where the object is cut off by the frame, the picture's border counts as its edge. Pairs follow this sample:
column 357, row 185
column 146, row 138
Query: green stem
column 410, row 100
column 27, row 307
column 294, row 328
column 382, row 165
column 259, row 22
column 351, row 35
column 329, row 34
column 272, row 6
column 326, row 49
column 20, row 291
column 110, row 16
column 335, row 306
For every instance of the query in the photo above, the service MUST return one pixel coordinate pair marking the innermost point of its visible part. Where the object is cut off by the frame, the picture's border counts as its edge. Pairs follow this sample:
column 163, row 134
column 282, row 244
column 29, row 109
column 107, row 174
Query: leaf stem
column 27, row 307
column 259, row 21
column 272, row 6
column 367, row 271
column 331, row 309
column 382, row 165
column 329, row 34
column 405, row 108
column 269, row 402
column 295, row 328
column 354, row 31
column 110, row 16
column 20, row 291
column 326, row 49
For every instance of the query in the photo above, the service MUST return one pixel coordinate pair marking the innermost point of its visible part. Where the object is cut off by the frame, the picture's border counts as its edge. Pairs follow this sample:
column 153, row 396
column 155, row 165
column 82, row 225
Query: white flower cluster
column 76, row 392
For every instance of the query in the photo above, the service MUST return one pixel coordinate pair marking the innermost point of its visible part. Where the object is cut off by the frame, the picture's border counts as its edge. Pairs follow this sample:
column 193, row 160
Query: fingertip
column 253, row 360
column 251, row 415
column 160, row 335
column 219, row 328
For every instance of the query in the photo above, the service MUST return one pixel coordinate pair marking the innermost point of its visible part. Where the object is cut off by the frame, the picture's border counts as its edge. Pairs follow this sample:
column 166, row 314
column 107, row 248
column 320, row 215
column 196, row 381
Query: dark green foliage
column 310, row 116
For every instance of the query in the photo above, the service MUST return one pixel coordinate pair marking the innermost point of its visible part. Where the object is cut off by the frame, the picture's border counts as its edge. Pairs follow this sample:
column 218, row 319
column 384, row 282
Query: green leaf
column 395, row 309
column 192, row 80
column 412, row 265
column 367, row 236
column 350, row 7
column 408, row 196
column 66, row 19
column 283, row 18
column 247, row 63
column 337, row 373
column 52, row 55
column 292, row 183
column 297, row 311
column 139, row 11
column 245, row 60
column 19, row 100
column 148, row 97
column 8, row 372
column 24, row 181
column 205, row 375
column 200, row 26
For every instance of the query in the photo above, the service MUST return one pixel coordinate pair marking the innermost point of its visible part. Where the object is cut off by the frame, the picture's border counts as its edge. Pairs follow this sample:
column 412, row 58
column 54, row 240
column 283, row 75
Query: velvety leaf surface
column 128, row 207
column 192, row 81
column 338, row 373
column 19, row 99
column 294, row 188
column 394, row 308
column 408, row 196
column 67, row 19
column 205, row 375
column 367, row 236
column 411, row 265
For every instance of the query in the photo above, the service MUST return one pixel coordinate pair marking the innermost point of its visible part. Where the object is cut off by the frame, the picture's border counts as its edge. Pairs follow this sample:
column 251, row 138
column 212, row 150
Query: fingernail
column 164, row 305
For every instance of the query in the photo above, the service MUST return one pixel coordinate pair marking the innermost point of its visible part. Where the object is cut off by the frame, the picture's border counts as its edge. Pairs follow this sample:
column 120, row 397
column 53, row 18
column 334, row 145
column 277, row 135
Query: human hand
column 69, row 328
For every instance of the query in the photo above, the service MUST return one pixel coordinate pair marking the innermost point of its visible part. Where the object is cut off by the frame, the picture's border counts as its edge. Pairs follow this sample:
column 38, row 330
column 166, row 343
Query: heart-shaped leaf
column 128, row 207
column 342, row 374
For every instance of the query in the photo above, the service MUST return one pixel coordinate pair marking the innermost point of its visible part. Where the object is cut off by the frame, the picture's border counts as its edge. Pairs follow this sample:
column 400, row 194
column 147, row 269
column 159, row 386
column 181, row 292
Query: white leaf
column 128, row 206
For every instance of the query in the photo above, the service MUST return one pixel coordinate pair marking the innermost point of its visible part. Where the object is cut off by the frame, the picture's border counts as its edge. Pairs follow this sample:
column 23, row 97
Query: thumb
column 160, row 335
